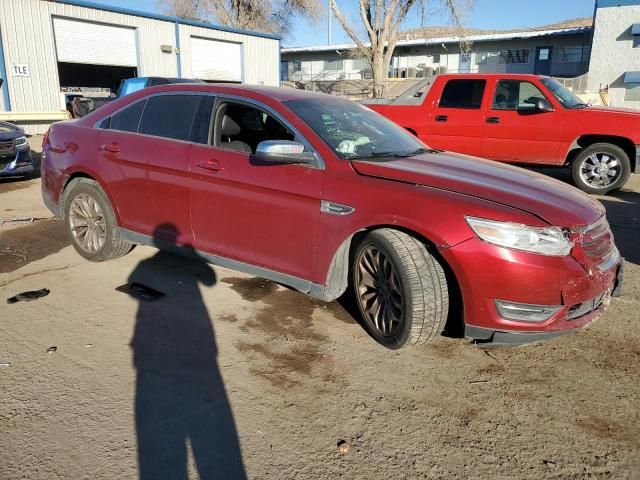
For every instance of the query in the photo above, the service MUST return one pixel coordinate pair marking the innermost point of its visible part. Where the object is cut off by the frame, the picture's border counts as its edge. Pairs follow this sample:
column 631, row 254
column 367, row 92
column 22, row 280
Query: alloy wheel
column 379, row 291
column 600, row 170
column 87, row 223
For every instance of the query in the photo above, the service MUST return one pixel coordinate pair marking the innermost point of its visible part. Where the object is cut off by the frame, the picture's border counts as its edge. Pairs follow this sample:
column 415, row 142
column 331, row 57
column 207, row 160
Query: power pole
column 329, row 15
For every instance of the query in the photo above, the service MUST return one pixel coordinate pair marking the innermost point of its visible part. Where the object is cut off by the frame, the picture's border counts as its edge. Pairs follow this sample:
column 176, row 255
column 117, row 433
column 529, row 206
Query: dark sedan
column 15, row 153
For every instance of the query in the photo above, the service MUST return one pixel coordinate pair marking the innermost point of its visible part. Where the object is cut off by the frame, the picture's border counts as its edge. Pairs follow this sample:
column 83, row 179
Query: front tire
column 601, row 168
column 400, row 289
column 91, row 223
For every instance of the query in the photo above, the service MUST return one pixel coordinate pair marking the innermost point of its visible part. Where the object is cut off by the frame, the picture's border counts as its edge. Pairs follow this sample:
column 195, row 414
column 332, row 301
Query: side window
column 515, row 95
column 127, row 119
column 463, row 94
column 169, row 116
column 241, row 127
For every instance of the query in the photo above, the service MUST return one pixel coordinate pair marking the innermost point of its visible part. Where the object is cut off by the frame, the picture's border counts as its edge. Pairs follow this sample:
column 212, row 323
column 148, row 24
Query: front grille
column 6, row 146
column 597, row 241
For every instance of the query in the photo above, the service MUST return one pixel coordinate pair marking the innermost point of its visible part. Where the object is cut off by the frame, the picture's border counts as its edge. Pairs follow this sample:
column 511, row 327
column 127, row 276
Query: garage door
column 95, row 43
column 215, row 60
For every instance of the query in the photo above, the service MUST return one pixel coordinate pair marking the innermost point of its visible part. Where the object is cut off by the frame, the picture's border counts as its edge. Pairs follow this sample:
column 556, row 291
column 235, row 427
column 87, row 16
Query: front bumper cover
column 590, row 311
column 19, row 163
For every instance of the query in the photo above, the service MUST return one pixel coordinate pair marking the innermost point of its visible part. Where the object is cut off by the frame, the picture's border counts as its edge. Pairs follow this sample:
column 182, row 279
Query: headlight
column 21, row 143
column 551, row 241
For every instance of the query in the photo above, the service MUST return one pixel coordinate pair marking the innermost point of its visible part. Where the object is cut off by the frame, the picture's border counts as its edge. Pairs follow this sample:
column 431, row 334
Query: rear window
column 169, row 116
column 463, row 94
column 127, row 119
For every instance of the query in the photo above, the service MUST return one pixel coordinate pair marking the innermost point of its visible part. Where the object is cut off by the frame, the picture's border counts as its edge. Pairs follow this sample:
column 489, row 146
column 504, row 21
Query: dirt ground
column 230, row 376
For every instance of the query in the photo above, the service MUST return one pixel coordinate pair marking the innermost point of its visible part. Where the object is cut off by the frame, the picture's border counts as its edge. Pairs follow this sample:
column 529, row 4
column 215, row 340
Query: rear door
column 517, row 133
column 145, row 149
column 457, row 116
column 263, row 215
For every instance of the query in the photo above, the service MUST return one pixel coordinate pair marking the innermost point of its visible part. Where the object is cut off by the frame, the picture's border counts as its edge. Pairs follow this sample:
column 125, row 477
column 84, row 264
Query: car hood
column 625, row 112
column 9, row 131
column 551, row 200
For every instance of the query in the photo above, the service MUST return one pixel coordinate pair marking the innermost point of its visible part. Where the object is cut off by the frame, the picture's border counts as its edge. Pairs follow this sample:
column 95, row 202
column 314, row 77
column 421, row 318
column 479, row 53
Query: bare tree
column 271, row 16
column 382, row 20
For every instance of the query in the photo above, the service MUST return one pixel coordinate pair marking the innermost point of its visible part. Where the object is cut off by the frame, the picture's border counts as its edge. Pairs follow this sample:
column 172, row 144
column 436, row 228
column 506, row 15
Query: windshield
column 563, row 94
column 354, row 131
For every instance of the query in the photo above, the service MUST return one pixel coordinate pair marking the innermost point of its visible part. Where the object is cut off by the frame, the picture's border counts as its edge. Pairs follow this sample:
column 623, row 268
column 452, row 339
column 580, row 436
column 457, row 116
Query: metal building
column 51, row 49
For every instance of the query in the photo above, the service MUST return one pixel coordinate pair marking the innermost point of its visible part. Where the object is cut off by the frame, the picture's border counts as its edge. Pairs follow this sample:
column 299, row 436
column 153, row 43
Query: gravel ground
column 229, row 376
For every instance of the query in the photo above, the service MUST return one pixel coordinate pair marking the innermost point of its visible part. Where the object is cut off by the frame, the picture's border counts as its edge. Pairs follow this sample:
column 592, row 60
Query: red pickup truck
column 522, row 119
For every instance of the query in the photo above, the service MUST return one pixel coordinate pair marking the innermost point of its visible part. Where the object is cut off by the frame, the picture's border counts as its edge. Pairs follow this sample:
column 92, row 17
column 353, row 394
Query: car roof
column 277, row 93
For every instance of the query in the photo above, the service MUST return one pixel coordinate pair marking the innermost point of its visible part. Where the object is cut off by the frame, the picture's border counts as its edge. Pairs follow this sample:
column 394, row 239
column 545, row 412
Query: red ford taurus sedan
column 320, row 194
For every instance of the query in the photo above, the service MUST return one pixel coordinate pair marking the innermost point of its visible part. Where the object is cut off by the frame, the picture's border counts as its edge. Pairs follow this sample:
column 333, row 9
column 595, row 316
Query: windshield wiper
column 581, row 105
column 392, row 154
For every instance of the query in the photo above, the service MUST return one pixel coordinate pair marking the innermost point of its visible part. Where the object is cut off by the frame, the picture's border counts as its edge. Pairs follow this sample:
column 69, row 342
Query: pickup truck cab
column 522, row 119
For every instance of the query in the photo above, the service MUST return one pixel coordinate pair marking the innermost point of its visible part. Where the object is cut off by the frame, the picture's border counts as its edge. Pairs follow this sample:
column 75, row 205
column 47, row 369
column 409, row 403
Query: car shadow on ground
column 180, row 399
column 623, row 213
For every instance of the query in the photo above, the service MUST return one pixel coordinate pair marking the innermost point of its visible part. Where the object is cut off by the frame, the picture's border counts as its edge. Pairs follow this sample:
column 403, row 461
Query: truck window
column 463, row 94
column 515, row 95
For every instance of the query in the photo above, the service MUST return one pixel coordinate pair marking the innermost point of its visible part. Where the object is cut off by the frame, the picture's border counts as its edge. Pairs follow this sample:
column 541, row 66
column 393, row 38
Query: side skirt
column 302, row 285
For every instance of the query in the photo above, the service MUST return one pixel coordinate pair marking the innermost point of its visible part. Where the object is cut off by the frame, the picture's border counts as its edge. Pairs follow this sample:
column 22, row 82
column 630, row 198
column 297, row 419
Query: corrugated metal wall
column 261, row 63
column 27, row 33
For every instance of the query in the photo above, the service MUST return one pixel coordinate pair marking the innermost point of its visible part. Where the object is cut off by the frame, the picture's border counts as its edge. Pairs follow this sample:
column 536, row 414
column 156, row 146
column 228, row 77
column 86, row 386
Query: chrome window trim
column 319, row 164
column 144, row 99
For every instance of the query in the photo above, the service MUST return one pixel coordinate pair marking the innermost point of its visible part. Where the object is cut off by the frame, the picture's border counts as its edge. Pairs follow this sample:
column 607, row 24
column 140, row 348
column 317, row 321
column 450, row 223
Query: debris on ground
column 52, row 349
column 18, row 220
column 343, row 446
column 5, row 364
column 140, row 291
column 29, row 296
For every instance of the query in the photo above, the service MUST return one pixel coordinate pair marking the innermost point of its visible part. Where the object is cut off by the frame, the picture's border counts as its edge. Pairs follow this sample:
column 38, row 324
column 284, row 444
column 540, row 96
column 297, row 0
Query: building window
column 514, row 56
column 632, row 92
column 333, row 65
column 482, row 58
column 435, row 58
column 359, row 64
column 571, row 54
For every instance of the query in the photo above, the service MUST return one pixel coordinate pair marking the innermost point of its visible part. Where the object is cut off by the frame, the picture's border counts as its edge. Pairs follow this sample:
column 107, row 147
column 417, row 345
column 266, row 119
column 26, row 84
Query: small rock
column 88, row 345
column 5, row 364
column 52, row 349
column 343, row 446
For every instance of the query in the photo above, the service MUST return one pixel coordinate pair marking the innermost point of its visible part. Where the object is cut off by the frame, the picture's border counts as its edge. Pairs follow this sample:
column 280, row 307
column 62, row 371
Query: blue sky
column 490, row 14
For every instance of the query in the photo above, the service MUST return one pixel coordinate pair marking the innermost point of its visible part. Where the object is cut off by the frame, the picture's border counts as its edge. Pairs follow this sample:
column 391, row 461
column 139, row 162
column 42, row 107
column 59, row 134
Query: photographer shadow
column 180, row 399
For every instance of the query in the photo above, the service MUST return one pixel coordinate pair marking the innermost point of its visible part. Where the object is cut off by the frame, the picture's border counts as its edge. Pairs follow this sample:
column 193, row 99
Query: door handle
column 442, row 118
column 110, row 147
column 211, row 165
column 493, row 119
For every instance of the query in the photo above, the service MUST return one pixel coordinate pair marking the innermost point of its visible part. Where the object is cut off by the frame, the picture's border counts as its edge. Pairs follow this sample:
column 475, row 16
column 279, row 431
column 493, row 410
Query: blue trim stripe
column 616, row 3
column 279, row 64
column 178, row 58
column 3, row 74
column 165, row 18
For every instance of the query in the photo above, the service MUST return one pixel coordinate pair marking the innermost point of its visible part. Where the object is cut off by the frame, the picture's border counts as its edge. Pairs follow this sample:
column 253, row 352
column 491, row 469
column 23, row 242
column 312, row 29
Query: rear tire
column 400, row 289
column 91, row 223
column 600, row 163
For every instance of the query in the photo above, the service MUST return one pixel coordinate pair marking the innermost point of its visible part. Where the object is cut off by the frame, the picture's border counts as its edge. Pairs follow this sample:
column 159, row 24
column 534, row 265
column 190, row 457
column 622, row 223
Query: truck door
column 518, row 132
column 457, row 117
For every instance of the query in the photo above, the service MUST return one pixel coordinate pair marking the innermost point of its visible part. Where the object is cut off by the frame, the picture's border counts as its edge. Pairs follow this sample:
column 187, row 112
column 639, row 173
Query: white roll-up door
column 216, row 60
column 95, row 43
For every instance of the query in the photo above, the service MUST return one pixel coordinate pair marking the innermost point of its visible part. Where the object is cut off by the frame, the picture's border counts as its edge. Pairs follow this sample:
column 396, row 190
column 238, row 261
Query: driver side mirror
column 282, row 152
column 543, row 105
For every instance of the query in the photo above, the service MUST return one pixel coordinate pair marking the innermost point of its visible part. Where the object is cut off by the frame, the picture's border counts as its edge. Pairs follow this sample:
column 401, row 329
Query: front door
column 263, row 215
column 543, row 61
column 515, row 132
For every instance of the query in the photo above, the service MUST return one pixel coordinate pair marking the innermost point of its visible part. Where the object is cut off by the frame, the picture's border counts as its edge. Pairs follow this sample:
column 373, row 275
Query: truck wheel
column 91, row 223
column 400, row 289
column 601, row 168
